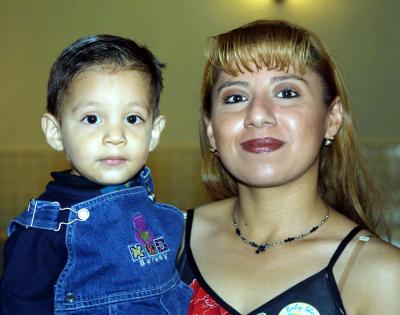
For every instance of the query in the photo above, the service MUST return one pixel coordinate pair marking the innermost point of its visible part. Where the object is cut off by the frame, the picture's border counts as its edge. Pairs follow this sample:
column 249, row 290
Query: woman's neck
column 281, row 211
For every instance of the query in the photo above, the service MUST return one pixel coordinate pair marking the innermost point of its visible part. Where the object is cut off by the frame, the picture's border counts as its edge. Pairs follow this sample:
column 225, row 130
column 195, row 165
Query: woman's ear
column 334, row 118
column 52, row 131
column 210, row 132
column 158, row 127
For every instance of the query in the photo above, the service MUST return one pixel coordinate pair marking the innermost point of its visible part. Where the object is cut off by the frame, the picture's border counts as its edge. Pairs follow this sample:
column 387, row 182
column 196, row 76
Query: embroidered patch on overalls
column 149, row 250
column 299, row 308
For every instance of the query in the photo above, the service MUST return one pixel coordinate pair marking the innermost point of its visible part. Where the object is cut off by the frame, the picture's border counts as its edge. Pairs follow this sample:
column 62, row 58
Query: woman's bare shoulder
column 377, row 276
column 214, row 209
column 213, row 216
column 379, row 256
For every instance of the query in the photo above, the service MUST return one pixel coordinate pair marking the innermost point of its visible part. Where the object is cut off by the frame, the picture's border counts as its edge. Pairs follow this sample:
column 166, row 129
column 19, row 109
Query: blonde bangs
column 270, row 47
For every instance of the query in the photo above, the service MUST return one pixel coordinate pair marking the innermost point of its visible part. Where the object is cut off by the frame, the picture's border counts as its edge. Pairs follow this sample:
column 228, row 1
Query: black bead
column 237, row 231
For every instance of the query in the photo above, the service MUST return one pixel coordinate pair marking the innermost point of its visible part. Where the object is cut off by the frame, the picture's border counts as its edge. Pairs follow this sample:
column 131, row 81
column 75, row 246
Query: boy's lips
column 113, row 161
column 262, row 145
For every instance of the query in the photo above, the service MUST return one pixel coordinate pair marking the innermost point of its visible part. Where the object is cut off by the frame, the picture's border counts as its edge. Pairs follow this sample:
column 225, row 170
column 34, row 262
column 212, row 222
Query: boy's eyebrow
column 230, row 83
column 77, row 106
column 83, row 104
column 146, row 105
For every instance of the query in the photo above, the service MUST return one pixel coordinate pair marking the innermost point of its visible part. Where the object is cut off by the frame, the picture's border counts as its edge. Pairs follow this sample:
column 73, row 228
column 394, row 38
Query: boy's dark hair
column 102, row 50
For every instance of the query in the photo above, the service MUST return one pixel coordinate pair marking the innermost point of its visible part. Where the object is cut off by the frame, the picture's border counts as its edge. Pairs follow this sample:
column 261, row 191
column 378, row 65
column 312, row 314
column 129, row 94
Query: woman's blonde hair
column 343, row 181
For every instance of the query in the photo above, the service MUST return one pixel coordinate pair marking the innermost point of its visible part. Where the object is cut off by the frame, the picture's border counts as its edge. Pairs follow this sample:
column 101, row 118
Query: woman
column 293, row 227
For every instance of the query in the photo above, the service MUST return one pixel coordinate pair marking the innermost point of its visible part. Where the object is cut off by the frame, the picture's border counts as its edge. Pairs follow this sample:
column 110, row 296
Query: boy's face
column 106, row 126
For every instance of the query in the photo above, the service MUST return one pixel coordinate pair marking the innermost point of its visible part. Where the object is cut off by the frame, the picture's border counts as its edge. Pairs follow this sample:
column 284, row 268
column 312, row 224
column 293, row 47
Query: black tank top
column 315, row 295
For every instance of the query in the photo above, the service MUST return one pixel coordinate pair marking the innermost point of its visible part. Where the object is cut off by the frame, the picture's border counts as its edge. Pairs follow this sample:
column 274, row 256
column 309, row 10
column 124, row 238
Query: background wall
column 363, row 37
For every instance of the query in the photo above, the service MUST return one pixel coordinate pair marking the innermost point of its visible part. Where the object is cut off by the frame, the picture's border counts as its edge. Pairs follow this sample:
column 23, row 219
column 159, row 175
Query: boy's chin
column 111, row 181
column 105, row 180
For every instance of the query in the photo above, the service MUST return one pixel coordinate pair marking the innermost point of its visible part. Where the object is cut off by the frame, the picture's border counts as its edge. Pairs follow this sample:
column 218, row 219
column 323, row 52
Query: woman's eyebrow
column 230, row 83
column 288, row 77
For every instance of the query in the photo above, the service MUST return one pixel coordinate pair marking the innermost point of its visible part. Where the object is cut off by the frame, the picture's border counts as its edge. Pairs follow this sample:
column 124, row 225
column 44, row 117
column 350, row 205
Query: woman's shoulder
column 368, row 272
column 212, row 216
column 213, row 210
column 376, row 276
column 380, row 259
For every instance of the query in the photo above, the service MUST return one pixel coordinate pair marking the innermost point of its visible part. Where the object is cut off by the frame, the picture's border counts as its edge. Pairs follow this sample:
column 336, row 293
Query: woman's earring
column 213, row 151
column 328, row 142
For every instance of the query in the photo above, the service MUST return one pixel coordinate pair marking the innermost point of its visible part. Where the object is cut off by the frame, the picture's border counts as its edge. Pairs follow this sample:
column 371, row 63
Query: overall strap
column 39, row 214
column 47, row 215
column 343, row 245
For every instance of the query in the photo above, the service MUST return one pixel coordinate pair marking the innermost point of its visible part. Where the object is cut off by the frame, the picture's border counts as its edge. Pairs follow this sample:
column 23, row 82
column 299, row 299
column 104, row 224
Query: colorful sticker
column 149, row 250
column 142, row 235
column 299, row 308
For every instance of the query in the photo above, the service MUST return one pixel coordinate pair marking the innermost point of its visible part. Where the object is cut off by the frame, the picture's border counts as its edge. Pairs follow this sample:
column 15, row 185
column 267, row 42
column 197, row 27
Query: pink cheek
column 303, row 123
column 293, row 126
column 227, row 130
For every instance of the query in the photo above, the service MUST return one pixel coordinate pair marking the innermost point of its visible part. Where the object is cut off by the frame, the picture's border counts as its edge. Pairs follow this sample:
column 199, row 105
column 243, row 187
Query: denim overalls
column 122, row 248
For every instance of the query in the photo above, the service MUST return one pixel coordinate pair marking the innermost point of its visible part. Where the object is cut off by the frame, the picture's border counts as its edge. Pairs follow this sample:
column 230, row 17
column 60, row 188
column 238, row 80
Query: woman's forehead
column 291, row 71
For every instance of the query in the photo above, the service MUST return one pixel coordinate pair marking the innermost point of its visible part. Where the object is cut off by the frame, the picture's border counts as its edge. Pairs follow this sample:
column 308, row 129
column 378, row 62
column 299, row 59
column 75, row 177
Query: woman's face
column 268, row 126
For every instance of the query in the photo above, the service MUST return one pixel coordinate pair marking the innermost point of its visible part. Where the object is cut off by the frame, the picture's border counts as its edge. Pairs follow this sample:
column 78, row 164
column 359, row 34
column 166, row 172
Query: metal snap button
column 69, row 298
column 83, row 214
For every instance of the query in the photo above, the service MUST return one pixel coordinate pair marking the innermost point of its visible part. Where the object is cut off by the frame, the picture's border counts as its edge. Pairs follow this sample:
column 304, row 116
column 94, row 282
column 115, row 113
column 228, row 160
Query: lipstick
column 262, row 145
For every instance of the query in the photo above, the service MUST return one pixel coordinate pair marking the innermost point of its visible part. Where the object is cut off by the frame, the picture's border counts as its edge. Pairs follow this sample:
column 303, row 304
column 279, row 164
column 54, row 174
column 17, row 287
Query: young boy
column 96, row 242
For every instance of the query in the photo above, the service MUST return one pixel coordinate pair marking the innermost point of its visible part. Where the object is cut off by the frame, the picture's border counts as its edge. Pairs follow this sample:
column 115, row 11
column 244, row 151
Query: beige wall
column 363, row 36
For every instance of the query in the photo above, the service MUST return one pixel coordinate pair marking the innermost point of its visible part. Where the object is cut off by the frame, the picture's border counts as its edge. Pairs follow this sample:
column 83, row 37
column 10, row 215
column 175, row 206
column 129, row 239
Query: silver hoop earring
column 328, row 142
column 213, row 151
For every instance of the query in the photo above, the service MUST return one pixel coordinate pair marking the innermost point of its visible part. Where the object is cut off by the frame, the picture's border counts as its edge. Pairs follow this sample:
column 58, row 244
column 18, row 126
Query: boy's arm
column 33, row 260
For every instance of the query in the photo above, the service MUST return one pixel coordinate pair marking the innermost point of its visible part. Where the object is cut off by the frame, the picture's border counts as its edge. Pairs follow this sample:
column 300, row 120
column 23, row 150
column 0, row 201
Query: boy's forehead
column 96, row 72
column 110, row 69
column 140, row 83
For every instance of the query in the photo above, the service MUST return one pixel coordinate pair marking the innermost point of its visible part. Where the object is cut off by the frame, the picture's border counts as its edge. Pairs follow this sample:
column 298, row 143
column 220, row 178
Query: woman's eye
column 134, row 119
column 91, row 119
column 287, row 93
column 233, row 99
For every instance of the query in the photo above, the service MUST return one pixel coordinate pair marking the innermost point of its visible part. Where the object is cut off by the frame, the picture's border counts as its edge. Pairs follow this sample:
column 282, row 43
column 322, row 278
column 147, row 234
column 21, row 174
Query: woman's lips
column 262, row 145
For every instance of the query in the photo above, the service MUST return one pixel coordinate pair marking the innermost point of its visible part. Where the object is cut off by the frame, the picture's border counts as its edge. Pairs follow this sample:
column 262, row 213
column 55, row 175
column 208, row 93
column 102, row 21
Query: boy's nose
column 114, row 135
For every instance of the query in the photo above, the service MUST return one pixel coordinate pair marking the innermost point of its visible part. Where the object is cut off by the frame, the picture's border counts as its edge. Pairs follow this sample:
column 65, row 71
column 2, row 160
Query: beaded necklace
column 265, row 245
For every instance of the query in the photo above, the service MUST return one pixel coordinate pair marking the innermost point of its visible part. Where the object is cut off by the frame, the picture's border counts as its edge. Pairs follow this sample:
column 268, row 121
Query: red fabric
column 202, row 303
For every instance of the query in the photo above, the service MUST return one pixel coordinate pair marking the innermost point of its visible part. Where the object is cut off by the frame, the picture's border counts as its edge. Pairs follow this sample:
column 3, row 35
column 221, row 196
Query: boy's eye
column 287, row 93
column 91, row 119
column 134, row 119
column 233, row 99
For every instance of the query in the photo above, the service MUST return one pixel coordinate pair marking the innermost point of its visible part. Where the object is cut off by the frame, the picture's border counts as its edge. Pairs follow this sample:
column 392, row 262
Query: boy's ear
column 334, row 118
column 158, row 127
column 52, row 132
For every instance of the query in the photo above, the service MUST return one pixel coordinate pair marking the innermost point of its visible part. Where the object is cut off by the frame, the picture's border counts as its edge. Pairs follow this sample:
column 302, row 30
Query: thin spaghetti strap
column 350, row 263
column 343, row 245
column 188, row 230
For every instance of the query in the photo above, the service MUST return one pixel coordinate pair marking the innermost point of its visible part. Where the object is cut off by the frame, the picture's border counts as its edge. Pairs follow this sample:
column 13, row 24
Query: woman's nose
column 260, row 112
